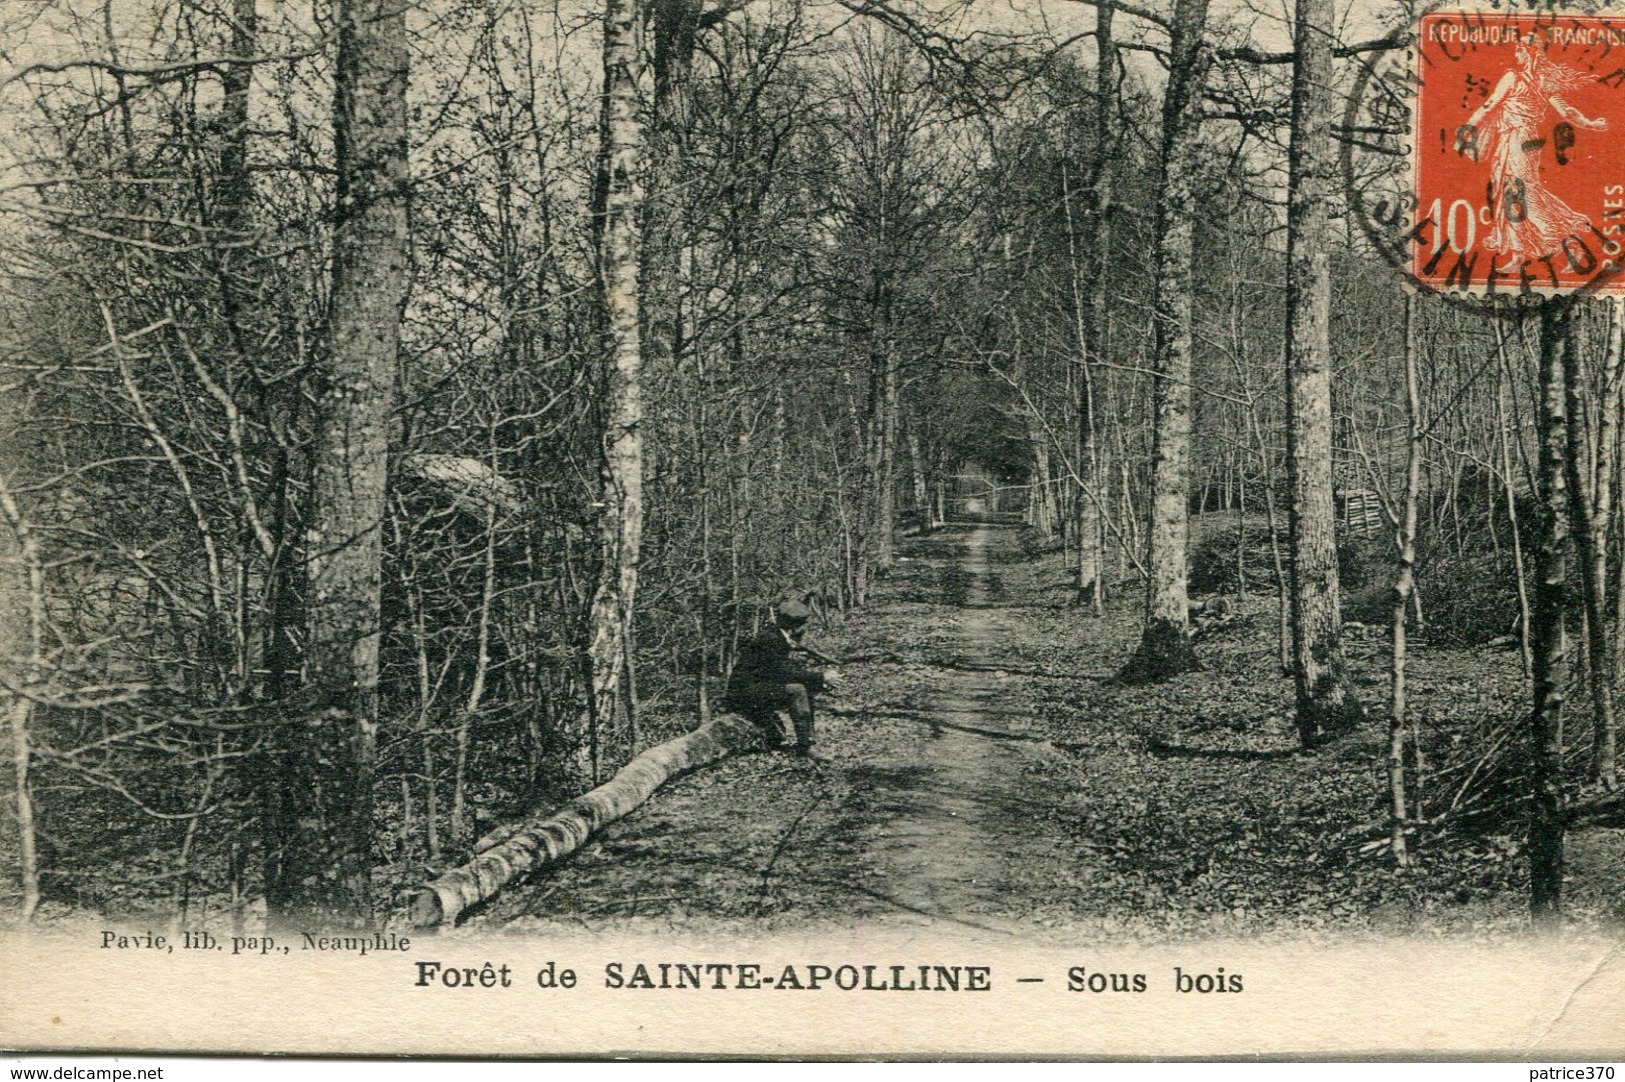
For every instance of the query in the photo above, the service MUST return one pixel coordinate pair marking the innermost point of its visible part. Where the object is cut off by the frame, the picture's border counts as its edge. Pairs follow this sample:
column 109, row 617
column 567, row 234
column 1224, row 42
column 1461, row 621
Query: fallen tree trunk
column 515, row 851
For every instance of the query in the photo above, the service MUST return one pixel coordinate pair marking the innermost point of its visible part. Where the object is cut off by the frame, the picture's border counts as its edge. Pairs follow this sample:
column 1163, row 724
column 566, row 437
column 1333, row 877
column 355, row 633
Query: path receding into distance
column 957, row 835
column 986, row 778
column 934, row 808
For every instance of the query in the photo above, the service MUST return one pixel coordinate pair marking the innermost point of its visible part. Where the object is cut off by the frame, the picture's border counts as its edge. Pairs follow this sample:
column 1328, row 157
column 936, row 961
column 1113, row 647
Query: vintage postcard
column 813, row 528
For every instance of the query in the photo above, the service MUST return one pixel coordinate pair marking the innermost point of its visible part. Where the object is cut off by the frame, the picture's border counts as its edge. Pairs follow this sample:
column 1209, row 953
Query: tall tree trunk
column 620, row 523
column 22, row 753
column 1040, row 494
column 1550, row 646
column 1404, row 582
column 886, row 465
column 1594, row 521
column 1615, row 461
column 704, row 619
column 860, row 491
column 460, row 825
column 30, row 652
column 1091, row 569
column 1326, row 702
column 323, row 876
column 924, row 519
column 236, row 80
column 1590, row 537
column 674, row 28
column 1165, row 644
column 1039, row 510
column 230, row 214
column 278, row 803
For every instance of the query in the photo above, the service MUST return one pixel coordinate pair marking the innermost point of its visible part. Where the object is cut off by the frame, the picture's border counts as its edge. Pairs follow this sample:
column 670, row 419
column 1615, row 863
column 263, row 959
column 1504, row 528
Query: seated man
column 767, row 679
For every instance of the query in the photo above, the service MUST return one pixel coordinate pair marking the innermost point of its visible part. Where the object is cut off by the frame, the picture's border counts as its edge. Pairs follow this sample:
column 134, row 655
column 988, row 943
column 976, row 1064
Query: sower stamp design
column 1517, row 170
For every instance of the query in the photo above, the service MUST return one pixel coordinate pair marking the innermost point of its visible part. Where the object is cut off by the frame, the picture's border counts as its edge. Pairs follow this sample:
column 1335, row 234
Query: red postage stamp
column 1518, row 165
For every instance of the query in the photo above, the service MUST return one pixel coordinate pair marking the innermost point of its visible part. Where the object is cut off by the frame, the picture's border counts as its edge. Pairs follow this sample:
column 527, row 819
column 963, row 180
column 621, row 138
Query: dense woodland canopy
column 410, row 407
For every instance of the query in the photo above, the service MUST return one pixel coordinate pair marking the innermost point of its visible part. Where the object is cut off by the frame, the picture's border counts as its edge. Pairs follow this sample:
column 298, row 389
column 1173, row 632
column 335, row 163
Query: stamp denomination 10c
column 1518, row 153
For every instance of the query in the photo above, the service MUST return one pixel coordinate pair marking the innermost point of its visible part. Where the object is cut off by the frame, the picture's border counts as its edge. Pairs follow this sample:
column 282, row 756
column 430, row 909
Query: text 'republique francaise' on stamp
column 1487, row 161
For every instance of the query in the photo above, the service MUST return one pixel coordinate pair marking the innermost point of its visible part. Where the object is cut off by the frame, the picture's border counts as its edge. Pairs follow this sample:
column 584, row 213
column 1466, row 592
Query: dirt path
column 984, row 776
column 931, row 809
column 956, row 837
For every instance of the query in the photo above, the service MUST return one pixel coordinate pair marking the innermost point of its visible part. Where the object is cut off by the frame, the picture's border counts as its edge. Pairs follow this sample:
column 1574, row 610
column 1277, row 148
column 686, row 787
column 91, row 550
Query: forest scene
column 428, row 426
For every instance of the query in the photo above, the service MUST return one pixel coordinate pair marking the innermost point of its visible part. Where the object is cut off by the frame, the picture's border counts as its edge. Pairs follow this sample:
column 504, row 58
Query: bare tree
column 23, row 592
column 1165, row 643
column 1404, row 583
column 620, row 522
column 1549, row 639
column 1097, row 325
column 1326, row 703
column 1590, row 508
column 320, row 870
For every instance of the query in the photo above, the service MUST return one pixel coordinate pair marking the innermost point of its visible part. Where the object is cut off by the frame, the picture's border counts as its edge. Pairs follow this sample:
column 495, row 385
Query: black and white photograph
column 812, row 528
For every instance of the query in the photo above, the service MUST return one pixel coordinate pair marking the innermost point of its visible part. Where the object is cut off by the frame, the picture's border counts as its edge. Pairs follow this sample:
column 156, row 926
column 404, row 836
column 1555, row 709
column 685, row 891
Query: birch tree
column 1549, row 641
column 22, row 590
column 620, row 521
column 1404, row 586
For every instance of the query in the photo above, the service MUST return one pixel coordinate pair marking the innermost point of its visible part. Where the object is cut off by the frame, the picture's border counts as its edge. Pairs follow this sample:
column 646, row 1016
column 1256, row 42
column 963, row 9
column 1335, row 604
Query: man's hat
column 793, row 613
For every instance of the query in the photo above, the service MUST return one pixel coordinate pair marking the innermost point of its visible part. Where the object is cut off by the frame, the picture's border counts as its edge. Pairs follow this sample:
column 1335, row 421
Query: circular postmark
column 1486, row 159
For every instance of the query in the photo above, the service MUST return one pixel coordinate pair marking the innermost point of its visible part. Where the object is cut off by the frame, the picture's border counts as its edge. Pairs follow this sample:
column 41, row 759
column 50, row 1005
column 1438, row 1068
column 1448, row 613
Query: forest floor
column 985, row 772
